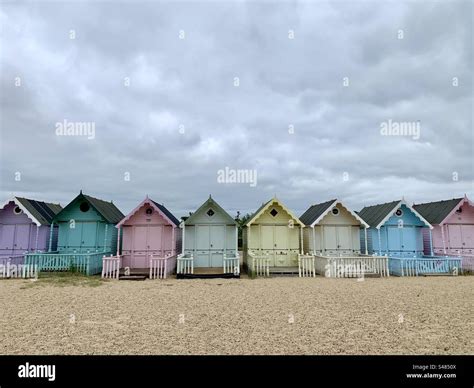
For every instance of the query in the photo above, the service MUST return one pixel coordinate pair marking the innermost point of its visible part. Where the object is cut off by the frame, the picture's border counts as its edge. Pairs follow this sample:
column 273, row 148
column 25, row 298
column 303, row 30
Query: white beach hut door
column 330, row 239
column 455, row 239
column 202, row 258
column 343, row 239
column 217, row 236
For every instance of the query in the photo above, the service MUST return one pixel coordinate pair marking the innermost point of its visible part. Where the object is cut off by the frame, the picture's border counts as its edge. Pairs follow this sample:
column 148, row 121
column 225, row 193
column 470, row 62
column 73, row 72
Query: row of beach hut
column 93, row 236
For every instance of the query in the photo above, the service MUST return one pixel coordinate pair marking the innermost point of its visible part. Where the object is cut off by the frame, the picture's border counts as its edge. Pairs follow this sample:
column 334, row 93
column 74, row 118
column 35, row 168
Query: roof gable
column 106, row 209
column 161, row 209
column 316, row 213
column 262, row 209
column 376, row 216
column 41, row 213
column 204, row 207
column 437, row 212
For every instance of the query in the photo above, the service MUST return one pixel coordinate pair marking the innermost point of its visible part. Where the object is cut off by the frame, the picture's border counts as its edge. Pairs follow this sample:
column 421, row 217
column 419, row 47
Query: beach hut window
column 84, row 206
column 335, row 211
column 459, row 211
column 210, row 212
column 399, row 213
column 17, row 210
column 149, row 211
column 273, row 212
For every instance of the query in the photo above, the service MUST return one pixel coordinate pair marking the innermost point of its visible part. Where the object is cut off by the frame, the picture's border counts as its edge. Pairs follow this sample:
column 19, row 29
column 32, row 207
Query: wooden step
column 132, row 277
column 436, row 274
column 284, row 271
column 207, row 276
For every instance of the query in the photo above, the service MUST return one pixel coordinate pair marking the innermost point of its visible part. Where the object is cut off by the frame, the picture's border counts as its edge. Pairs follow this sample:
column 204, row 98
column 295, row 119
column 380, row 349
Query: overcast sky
column 180, row 91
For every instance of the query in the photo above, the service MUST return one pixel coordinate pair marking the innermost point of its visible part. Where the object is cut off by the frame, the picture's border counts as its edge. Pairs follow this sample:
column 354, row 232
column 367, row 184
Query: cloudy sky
column 297, row 91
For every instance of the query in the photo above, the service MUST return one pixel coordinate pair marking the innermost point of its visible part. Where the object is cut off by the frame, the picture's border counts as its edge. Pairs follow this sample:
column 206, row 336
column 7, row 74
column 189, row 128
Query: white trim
column 140, row 205
column 265, row 208
column 335, row 203
column 462, row 202
column 397, row 206
column 19, row 204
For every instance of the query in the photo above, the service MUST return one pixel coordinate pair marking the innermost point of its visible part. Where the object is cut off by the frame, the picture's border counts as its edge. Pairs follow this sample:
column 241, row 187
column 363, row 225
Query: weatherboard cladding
column 436, row 212
column 44, row 212
column 315, row 211
column 373, row 215
column 167, row 213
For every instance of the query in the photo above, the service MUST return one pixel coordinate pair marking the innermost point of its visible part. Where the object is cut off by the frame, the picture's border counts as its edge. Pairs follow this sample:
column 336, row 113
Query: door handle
column 212, row 245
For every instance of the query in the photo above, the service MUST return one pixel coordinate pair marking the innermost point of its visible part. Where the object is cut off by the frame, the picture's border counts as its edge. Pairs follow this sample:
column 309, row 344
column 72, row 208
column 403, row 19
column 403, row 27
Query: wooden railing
column 414, row 266
column 351, row 266
column 185, row 264
column 259, row 264
column 111, row 267
column 87, row 263
column 160, row 267
column 306, row 265
column 232, row 264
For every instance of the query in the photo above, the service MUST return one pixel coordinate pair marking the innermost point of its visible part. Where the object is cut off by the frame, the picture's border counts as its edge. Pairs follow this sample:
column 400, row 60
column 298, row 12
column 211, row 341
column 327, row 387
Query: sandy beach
column 432, row 315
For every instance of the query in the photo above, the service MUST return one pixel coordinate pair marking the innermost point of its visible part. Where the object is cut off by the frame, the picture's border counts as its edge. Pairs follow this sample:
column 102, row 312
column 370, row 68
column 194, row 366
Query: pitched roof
column 254, row 214
column 375, row 214
column 436, row 212
column 41, row 213
column 267, row 204
column 315, row 211
column 167, row 213
column 108, row 210
column 210, row 202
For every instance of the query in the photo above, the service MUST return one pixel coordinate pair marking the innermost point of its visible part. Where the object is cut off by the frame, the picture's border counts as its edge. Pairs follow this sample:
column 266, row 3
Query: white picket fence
column 232, row 264
column 185, row 264
column 306, row 266
column 161, row 266
column 259, row 264
column 111, row 267
column 342, row 267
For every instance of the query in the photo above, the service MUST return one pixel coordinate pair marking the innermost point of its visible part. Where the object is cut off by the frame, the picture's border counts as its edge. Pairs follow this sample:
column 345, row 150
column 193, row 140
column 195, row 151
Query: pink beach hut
column 453, row 228
column 149, row 235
